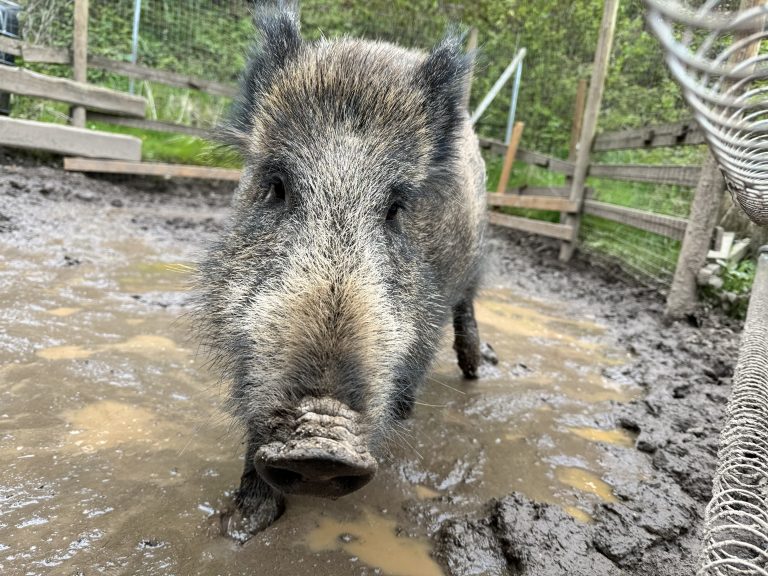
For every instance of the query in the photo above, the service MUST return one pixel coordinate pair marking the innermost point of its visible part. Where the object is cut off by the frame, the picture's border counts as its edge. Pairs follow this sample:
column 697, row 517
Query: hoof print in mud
column 488, row 354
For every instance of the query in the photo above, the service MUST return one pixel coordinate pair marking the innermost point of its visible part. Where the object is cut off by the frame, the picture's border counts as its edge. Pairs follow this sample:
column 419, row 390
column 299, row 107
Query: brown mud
column 588, row 450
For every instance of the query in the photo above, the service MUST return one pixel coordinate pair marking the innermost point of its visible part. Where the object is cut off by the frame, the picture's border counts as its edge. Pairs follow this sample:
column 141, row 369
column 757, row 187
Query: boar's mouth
column 326, row 455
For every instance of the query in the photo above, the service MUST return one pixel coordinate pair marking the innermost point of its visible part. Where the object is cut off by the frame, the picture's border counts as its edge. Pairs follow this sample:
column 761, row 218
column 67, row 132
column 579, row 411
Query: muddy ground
column 588, row 451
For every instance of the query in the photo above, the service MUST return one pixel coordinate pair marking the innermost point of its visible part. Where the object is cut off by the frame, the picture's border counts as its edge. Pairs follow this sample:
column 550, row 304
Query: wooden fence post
column 682, row 297
column 578, row 118
column 709, row 196
column 471, row 48
column 578, row 121
column 80, row 56
column 509, row 157
column 589, row 127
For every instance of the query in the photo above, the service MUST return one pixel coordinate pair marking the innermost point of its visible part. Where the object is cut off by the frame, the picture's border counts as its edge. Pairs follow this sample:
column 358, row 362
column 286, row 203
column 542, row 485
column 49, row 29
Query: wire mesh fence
column 639, row 92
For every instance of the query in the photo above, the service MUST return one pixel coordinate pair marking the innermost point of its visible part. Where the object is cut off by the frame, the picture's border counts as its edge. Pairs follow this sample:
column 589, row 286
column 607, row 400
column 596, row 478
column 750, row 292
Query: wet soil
column 588, row 450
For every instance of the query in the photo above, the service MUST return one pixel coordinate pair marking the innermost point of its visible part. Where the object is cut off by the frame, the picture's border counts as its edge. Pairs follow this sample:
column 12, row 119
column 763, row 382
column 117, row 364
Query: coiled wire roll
column 713, row 51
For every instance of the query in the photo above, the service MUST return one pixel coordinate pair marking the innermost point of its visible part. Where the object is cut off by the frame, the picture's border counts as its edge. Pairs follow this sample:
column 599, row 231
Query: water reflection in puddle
column 373, row 539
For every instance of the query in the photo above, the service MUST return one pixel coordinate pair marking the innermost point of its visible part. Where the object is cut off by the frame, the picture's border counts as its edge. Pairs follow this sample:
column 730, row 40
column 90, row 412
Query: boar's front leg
column 256, row 504
column 469, row 350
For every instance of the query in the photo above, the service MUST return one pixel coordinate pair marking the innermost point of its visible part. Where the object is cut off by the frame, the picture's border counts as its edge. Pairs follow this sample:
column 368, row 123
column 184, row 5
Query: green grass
column 644, row 254
column 174, row 148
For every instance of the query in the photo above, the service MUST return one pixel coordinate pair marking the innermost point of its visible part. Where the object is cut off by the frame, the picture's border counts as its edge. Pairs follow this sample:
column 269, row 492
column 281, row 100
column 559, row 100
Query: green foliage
column 643, row 254
column 738, row 278
column 210, row 40
column 733, row 295
column 179, row 148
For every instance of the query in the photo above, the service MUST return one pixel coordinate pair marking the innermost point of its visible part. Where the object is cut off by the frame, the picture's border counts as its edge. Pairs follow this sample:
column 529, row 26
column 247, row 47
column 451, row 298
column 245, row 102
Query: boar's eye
column 276, row 191
column 393, row 210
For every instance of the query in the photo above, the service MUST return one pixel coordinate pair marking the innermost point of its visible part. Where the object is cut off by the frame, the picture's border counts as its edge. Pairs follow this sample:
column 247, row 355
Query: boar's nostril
column 317, row 467
column 281, row 476
column 315, row 480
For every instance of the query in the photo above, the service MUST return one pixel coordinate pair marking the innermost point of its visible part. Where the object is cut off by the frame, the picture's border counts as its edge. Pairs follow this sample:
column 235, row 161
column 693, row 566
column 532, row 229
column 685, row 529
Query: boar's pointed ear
column 278, row 41
column 443, row 76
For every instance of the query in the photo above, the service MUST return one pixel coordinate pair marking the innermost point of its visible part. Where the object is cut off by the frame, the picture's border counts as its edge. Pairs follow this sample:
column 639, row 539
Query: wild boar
column 357, row 234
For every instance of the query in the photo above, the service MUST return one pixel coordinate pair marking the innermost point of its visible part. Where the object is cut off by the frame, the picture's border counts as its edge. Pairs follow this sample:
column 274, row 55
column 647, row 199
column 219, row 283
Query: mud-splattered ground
column 588, row 450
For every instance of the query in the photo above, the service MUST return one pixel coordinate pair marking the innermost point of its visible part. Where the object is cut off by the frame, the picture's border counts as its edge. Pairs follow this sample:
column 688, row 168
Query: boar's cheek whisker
column 436, row 381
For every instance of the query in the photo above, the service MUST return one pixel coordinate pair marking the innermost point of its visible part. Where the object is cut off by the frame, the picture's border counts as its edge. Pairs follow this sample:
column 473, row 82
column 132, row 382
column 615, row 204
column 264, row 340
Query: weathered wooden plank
column 560, row 192
column 80, row 57
column 149, row 124
column 668, row 226
column 150, row 169
column 529, row 157
column 535, row 202
column 657, row 174
column 494, row 146
column 544, row 161
column 162, row 76
column 550, row 229
column 28, row 83
column 10, row 45
column 677, row 134
column 509, row 156
column 33, row 53
column 67, row 140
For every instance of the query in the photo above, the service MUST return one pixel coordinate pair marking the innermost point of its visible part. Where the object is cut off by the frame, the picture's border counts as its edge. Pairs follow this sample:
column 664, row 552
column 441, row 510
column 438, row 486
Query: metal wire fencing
column 639, row 92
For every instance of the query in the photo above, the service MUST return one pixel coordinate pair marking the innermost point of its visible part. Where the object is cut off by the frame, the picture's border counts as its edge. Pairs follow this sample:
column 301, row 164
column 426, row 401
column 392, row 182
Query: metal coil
column 714, row 53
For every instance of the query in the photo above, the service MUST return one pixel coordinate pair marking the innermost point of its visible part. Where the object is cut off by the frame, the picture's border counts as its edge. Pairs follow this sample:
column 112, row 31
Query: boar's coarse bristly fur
column 357, row 230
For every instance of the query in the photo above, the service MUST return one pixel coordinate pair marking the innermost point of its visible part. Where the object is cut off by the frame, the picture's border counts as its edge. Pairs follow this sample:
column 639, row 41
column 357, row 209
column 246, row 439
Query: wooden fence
column 576, row 197
column 92, row 150
column 557, row 199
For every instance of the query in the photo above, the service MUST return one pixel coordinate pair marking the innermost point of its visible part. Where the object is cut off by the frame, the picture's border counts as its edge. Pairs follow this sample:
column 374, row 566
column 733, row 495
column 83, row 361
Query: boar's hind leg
column 256, row 506
column 470, row 351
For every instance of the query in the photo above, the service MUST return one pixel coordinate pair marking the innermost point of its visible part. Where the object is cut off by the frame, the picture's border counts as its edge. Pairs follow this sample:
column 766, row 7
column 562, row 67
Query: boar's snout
column 326, row 454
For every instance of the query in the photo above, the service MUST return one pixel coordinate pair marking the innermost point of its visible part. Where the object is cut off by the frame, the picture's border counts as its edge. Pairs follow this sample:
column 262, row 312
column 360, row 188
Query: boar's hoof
column 471, row 358
column 250, row 513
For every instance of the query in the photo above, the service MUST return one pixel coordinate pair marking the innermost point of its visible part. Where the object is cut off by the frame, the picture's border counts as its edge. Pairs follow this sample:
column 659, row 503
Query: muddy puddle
column 114, row 453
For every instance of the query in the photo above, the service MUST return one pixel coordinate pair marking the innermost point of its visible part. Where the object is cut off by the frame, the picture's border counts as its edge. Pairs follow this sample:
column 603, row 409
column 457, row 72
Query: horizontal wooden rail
column 149, row 125
column 67, row 140
column 661, row 174
column 28, row 83
column 150, row 169
column 668, row 226
column 678, row 134
column 162, row 76
column 551, row 191
column 529, row 157
column 560, row 231
column 544, row 161
column 534, row 202
column 52, row 55
column 32, row 53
